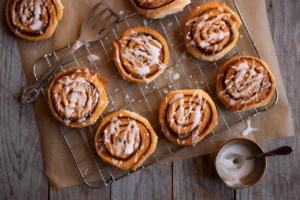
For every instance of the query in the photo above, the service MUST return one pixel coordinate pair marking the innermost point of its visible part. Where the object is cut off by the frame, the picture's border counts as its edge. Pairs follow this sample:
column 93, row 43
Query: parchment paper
column 59, row 165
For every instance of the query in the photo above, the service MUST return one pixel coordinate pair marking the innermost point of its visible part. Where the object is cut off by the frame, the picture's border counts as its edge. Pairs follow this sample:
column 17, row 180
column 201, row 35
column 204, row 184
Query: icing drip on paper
column 176, row 76
column 92, row 58
column 249, row 129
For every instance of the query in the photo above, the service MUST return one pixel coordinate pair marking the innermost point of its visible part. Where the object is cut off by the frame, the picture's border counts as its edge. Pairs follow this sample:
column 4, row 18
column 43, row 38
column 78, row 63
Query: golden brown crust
column 187, row 116
column 125, row 139
column 157, row 9
column 35, row 20
column 211, row 30
column 77, row 97
column 141, row 54
column 245, row 82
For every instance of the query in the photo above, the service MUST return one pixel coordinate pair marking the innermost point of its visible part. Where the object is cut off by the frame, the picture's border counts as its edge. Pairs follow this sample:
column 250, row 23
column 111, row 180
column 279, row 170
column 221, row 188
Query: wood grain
column 197, row 179
column 21, row 167
column 80, row 192
column 151, row 183
column 282, row 180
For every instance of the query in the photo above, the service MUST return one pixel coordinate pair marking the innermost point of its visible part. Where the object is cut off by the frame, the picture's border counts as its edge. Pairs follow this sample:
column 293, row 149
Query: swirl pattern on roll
column 187, row 116
column 125, row 140
column 211, row 31
column 155, row 9
column 77, row 97
column 33, row 19
column 245, row 82
column 141, row 54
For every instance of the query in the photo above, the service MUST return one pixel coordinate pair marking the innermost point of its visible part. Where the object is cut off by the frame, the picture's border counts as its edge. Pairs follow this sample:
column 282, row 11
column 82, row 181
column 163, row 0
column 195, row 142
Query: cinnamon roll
column 187, row 116
column 125, row 140
column 245, row 82
column 141, row 54
column 33, row 19
column 211, row 30
column 77, row 97
column 155, row 9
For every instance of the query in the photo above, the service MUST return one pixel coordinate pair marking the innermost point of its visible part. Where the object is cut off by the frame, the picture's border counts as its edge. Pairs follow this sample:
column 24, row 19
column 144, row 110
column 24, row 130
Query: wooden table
column 21, row 164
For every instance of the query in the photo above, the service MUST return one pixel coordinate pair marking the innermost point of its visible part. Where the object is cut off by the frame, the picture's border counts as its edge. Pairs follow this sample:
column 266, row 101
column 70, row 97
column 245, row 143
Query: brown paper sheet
column 59, row 165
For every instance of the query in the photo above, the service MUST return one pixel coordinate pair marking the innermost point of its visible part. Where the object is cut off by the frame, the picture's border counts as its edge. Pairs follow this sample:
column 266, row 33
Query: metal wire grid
column 102, row 174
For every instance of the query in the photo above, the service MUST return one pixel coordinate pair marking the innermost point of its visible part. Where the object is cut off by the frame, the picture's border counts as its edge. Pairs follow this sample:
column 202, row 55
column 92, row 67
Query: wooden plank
column 196, row 179
column 80, row 192
column 152, row 183
column 21, row 163
column 282, row 180
column 21, row 166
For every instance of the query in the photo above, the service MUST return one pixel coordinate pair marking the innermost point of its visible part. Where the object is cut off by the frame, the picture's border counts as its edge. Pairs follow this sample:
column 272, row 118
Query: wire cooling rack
column 145, row 99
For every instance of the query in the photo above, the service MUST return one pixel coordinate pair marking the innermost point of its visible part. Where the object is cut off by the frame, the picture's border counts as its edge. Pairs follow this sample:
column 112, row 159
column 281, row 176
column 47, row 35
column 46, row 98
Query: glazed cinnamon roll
column 187, row 116
column 125, row 140
column 155, row 9
column 141, row 54
column 245, row 82
column 33, row 19
column 211, row 31
column 77, row 97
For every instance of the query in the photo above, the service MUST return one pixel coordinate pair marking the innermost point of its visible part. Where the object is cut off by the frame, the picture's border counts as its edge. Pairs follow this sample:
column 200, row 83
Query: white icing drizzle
column 120, row 163
column 252, row 83
column 249, row 129
column 194, row 106
column 92, row 58
column 183, row 56
column 177, row 96
column 213, row 38
column 220, row 75
column 77, row 45
column 37, row 24
column 194, row 137
column 176, row 76
column 146, row 51
column 204, row 43
column 169, row 24
column 130, row 136
column 114, row 162
column 115, row 90
column 29, row 9
column 79, row 102
column 220, row 9
column 85, row 171
column 135, row 158
column 145, row 22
